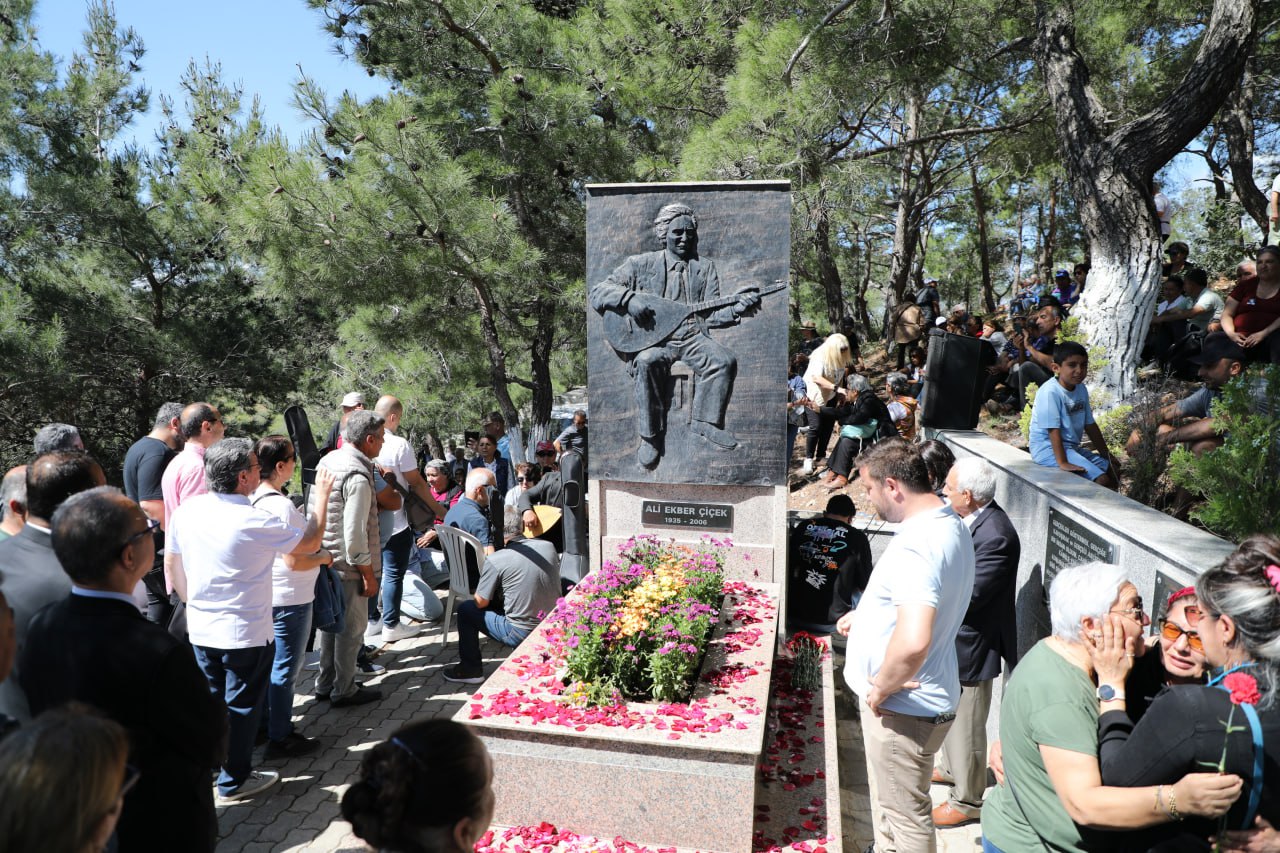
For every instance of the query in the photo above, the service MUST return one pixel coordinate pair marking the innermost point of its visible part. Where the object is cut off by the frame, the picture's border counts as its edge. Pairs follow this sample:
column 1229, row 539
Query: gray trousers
column 964, row 753
column 338, row 651
column 714, row 368
column 1022, row 375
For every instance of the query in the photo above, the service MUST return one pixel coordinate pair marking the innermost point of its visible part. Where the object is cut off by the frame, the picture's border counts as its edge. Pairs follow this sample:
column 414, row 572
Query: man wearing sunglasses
column 144, row 678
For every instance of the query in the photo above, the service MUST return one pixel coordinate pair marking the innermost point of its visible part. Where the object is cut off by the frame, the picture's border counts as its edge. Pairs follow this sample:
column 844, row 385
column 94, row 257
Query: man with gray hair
column 13, row 502
column 220, row 552
column 350, row 514
column 641, row 288
column 987, row 636
column 144, row 467
column 54, row 437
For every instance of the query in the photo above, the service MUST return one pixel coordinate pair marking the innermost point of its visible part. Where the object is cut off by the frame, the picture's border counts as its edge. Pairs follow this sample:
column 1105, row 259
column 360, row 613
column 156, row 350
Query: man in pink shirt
column 202, row 427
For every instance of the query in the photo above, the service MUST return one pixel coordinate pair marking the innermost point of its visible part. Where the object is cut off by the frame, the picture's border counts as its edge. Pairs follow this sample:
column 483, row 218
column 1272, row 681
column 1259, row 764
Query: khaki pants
column 900, row 751
column 964, row 753
column 338, row 652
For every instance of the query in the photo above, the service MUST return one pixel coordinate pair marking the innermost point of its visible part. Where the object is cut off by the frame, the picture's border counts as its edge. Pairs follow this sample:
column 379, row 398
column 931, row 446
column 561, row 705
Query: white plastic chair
column 456, row 544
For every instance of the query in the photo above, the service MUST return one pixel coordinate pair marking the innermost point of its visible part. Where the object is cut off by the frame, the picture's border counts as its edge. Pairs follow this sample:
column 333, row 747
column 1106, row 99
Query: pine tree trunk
column 984, row 248
column 828, row 272
column 1110, row 175
column 1236, row 122
column 905, row 234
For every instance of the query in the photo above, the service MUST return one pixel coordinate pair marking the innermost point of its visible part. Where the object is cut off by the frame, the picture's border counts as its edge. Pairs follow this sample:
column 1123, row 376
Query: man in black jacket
column 987, row 636
column 30, row 576
column 94, row 646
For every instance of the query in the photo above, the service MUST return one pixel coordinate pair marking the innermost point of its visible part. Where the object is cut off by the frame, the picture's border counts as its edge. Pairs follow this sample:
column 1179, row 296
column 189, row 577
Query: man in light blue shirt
column 901, row 658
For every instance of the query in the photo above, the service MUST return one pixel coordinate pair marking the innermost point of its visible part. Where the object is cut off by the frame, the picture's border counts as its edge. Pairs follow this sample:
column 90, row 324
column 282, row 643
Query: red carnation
column 1243, row 687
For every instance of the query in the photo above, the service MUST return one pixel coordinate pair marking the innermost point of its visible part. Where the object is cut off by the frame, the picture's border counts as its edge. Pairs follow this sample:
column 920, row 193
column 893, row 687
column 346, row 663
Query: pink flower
column 1243, row 687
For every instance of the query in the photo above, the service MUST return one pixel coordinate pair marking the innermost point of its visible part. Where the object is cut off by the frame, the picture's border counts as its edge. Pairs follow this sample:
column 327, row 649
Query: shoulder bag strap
column 1255, row 790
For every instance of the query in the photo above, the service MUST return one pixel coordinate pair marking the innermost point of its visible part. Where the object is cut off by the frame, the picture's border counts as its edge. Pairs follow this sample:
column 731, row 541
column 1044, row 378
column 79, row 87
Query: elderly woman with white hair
column 863, row 420
column 1052, row 796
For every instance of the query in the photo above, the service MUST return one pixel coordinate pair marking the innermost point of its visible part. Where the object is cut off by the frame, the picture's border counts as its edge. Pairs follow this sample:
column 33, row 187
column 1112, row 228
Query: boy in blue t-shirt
column 1061, row 416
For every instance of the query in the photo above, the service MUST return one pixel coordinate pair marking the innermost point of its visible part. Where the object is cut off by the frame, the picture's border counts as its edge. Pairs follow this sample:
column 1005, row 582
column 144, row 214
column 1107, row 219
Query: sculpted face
column 682, row 238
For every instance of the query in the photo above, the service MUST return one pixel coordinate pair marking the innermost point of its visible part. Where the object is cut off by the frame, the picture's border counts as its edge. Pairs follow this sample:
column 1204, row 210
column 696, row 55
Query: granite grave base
column 757, row 522
column 666, row 775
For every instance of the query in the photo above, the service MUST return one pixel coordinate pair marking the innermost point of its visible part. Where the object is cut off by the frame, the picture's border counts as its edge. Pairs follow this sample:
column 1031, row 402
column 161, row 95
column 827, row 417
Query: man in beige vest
column 351, row 536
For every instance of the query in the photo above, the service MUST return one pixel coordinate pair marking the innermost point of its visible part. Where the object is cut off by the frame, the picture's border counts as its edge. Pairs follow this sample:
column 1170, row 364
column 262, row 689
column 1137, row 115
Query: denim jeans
column 988, row 847
column 419, row 601
column 395, row 564
column 240, row 677
column 293, row 626
column 471, row 621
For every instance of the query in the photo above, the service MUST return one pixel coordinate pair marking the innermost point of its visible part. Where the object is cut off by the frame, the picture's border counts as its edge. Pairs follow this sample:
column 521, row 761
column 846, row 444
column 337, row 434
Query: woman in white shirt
column 293, row 589
column 823, row 379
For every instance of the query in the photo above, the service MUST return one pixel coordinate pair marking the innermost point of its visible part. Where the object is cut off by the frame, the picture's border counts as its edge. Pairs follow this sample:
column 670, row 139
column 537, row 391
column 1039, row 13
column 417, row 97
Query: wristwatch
column 1107, row 693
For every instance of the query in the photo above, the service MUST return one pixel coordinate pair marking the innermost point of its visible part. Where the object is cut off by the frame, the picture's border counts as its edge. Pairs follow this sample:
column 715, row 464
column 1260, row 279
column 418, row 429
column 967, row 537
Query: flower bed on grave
column 627, row 648
column 563, row 759
column 792, row 792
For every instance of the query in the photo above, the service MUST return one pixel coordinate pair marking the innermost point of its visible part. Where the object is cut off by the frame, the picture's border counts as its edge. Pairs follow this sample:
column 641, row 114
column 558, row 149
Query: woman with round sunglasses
column 1174, row 656
column 1185, row 729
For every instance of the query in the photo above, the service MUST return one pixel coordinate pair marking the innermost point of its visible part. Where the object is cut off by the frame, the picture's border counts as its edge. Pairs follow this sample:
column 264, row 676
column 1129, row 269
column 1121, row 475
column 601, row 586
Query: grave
column 687, row 401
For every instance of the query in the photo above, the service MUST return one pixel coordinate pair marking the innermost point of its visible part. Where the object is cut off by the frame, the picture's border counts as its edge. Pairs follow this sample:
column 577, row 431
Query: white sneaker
column 374, row 628
column 257, row 782
column 807, row 467
column 399, row 631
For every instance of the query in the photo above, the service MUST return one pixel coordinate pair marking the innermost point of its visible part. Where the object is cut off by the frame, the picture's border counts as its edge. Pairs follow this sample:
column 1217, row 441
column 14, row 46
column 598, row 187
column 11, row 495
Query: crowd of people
column 1109, row 739
column 151, row 634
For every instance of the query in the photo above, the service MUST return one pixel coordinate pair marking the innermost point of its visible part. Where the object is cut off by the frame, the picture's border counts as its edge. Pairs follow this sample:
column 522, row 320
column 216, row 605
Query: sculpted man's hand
column 641, row 306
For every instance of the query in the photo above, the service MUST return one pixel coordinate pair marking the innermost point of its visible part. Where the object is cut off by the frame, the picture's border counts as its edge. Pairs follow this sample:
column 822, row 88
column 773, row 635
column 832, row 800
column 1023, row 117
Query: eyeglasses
column 152, row 524
column 1172, row 631
column 522, row 479
column 1195, row 614
column 1137, row 613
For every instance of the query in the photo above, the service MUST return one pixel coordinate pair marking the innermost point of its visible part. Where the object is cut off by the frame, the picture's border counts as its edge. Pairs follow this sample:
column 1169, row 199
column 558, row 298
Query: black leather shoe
column 362, row 696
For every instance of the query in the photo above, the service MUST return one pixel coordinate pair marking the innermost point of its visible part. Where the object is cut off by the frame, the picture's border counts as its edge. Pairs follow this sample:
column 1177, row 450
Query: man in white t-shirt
column 901, row 659
column 219, row 553
column 396, row 458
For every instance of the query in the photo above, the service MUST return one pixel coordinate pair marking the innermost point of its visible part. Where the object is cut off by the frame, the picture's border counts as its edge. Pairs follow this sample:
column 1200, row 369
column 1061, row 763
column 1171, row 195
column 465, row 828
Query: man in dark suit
column 94, row 646
column 30, row 575
column 678, row 274
column 987, row 636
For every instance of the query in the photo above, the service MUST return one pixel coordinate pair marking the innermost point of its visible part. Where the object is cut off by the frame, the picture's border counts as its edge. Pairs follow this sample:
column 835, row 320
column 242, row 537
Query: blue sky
column 260, row 45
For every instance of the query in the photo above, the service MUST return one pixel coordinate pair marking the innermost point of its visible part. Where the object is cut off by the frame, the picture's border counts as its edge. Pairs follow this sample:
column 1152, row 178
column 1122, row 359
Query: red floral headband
column 1273, row 577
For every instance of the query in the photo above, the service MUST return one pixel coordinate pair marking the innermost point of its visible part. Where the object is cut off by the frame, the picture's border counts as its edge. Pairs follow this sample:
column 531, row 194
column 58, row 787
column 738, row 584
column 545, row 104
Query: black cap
column 841, row 505
column 1218, row 346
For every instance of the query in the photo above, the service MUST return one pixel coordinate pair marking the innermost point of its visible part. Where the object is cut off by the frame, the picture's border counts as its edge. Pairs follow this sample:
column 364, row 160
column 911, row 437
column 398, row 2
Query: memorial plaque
column 686, row 514
column 687, row 331
column 1069, row 544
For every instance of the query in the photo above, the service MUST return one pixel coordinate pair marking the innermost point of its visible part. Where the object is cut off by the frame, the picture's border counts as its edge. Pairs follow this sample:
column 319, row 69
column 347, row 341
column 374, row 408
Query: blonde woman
column 823, row 379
